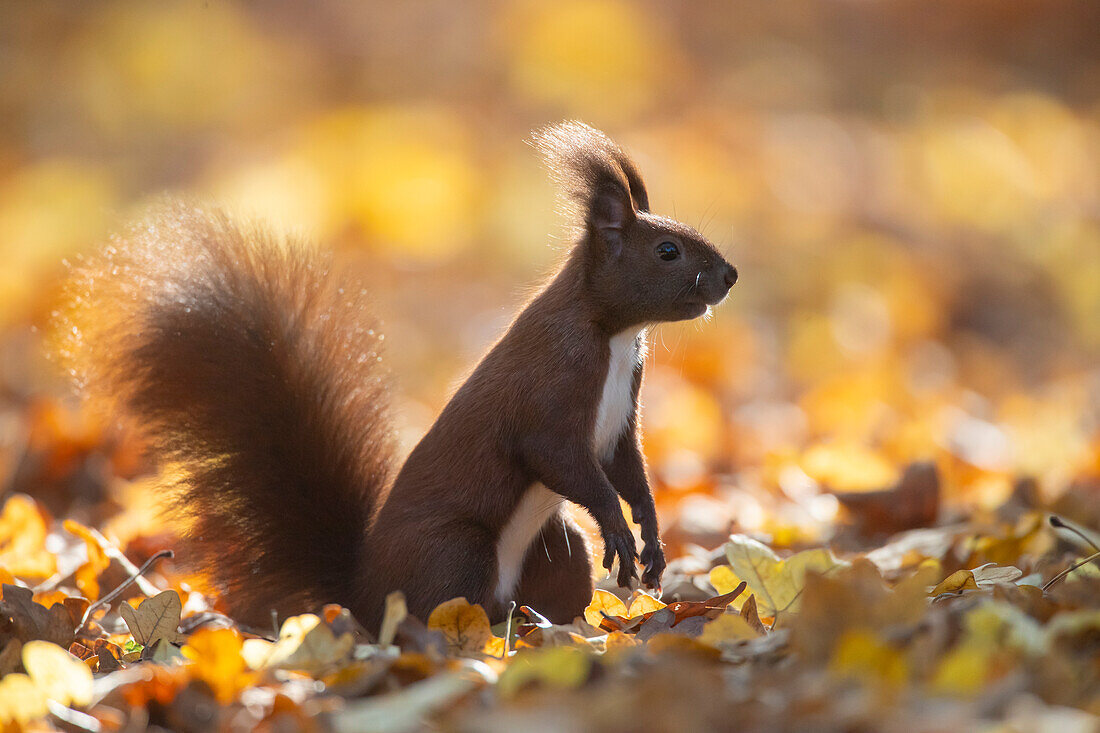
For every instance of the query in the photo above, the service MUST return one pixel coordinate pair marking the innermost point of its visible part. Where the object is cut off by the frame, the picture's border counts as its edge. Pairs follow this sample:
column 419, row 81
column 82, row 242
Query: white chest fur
column 617, row 398
column 540, row 503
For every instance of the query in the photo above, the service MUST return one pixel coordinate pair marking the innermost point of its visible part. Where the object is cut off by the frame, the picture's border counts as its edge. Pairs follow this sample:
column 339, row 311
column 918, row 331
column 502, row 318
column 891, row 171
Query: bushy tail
column 252, row 370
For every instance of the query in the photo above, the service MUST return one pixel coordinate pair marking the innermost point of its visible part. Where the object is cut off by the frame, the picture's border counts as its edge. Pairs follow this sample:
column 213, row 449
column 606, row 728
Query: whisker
column 565, row 529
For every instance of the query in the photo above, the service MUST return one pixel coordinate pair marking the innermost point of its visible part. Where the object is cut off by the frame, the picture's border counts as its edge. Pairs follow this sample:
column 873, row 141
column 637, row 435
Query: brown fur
column 252, row 369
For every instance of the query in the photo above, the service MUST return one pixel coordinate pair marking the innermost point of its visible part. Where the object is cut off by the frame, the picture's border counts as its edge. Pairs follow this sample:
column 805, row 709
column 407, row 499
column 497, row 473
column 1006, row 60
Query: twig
column 1070, row 569
column 508, row 630
column 137, row 575
column 1059, row 523
column 115, row 553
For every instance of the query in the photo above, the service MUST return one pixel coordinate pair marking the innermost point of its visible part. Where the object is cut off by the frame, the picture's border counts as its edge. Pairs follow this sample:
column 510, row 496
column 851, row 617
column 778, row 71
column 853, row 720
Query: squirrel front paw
column 653, row 560
column 621, row 544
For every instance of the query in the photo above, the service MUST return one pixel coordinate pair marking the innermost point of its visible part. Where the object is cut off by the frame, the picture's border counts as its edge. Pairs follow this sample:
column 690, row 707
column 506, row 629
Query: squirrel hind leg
column 556, row 579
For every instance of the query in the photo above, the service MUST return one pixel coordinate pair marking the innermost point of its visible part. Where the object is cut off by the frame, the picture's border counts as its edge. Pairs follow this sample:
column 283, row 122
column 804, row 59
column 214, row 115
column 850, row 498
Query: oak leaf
column 155, row 618
column 34, row 621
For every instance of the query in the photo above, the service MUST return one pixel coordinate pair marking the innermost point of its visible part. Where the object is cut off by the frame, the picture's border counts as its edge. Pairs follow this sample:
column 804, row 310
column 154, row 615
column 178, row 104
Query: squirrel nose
column 731, row 276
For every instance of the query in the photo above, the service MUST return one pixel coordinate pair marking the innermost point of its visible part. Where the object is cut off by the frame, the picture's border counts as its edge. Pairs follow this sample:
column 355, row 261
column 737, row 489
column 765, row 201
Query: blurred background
column 910, row 190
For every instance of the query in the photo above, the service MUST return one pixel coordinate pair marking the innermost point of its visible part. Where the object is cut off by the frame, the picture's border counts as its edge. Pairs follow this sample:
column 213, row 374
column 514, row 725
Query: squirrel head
column 639, row 267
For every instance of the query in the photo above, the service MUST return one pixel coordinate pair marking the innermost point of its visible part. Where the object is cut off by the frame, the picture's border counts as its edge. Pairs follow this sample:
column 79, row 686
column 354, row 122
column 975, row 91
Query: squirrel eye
column 668, row 251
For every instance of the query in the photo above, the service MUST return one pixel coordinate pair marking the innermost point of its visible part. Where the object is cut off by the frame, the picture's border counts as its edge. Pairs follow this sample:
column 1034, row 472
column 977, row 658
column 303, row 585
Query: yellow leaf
column 560, row 667
column 20, row 700
column 956, row 582
column 620, row 640
column 726, row 628
column 256, row 652
column 723, row 579
column 963, row 670
column 862, row 655
column 642, row 603
column 23, row 533
column 58, row 675
column 155, row 618
column 609, row 603
column 495, row 647
column 218, row 662
column 307, row 644
column 465, row 626
column 87, row 575
column 776, row 583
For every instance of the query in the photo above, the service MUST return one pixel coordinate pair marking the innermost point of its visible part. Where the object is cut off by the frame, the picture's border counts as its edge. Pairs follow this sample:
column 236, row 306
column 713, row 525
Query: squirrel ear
column 609, row 212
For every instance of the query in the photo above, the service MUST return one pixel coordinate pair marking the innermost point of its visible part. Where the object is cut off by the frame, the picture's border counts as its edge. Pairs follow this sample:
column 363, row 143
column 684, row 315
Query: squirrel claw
column 653, row 558
column 621, row 545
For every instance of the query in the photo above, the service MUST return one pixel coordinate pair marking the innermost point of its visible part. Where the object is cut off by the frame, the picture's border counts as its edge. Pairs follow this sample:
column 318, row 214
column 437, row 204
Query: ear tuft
column 599, row 183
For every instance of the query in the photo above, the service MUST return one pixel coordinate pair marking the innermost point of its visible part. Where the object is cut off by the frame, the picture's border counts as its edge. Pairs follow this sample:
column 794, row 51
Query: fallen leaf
column 862, row 655
column 465, row 626
column 58, row 675
column 87, row 575
column 306, row 643
column 217, row 661
column 640, row 603
column 406, row 709
column 956, row 582
column 33, row 621
column 729, row 627
column 23, row 530
column 155, row 618
column 20, row 700
column 604, row 602
column 912, row 502
column 657, row 623
column 560, row 667
column 752, row 618
column 11, row 657
column 776, row 583
column 983, row 577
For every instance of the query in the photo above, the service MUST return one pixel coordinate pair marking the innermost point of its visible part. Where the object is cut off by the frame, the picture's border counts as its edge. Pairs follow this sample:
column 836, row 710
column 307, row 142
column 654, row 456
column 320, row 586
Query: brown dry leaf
column 155, row 618
column 752, row 618
column 33, row 621
column 465, row 626
column 711, row 608
column 11, row 657
column 912, row 502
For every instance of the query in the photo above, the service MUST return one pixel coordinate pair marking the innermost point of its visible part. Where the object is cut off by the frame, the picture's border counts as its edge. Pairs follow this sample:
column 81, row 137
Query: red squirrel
column 252, row 369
